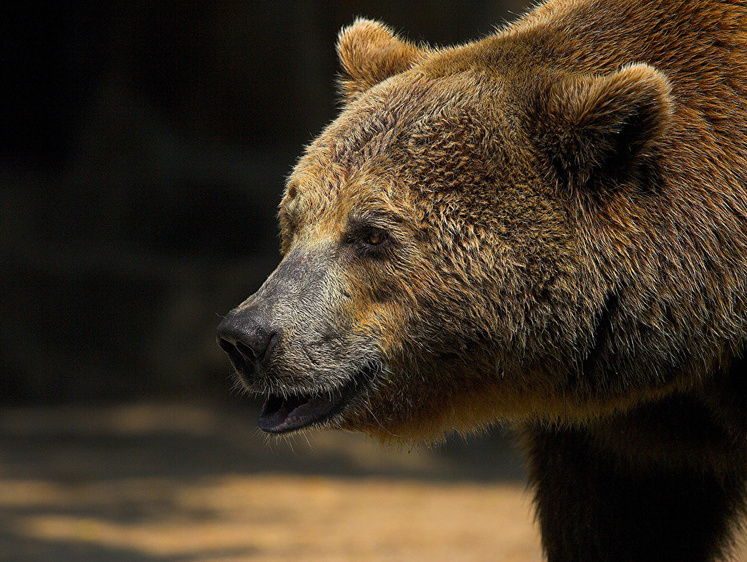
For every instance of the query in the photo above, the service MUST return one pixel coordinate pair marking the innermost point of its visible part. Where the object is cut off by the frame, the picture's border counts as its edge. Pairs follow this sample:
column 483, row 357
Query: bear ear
column 369, row 53
column 602, row 127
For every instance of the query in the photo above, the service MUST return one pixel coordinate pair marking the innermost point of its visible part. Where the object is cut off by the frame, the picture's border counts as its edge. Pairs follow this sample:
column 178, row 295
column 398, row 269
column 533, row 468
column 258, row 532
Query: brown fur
column 457, row 141
column 564, row 206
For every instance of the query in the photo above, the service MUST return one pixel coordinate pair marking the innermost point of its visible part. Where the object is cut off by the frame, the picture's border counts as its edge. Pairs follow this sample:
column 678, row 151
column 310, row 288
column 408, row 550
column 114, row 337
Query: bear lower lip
column 280, row 415
column 283, row 414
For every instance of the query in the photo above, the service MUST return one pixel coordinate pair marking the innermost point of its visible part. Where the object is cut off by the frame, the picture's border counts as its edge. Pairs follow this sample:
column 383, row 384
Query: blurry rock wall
column 142, row 158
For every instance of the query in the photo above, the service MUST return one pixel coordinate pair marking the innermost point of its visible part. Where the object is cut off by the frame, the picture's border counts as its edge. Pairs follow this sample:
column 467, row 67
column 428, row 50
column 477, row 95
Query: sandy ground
column 176, row 482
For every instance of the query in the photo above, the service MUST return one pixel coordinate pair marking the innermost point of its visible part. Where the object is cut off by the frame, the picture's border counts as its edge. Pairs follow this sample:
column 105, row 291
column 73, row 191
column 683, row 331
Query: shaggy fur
column 547, row 226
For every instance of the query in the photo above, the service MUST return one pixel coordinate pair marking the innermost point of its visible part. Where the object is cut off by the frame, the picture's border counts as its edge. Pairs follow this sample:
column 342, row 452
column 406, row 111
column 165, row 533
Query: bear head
column 472, row 239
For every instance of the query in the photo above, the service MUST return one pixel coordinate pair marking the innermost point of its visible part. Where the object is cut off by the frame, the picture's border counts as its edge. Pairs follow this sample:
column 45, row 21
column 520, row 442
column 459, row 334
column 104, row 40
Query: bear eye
column 368, row 239
column 375, row 237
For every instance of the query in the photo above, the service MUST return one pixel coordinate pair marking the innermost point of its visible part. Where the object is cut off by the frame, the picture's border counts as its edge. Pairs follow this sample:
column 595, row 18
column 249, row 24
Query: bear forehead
column 413, row 131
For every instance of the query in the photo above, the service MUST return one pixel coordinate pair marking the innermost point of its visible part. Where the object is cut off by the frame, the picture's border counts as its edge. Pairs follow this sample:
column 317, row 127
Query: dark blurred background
column 142, row 156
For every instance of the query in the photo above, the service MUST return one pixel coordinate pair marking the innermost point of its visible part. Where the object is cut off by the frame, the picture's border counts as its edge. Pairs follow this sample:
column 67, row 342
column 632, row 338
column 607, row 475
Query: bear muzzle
column 250, row 343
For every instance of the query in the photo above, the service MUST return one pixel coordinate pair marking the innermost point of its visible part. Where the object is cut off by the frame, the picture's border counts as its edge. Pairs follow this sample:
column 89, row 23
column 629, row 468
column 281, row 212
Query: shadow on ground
column 183, row 482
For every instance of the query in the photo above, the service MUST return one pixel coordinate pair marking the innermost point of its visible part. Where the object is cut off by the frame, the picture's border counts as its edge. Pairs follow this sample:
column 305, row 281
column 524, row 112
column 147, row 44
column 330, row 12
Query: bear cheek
column 384, row 324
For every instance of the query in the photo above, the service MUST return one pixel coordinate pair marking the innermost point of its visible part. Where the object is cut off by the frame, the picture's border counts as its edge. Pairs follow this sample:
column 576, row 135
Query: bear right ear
column 370, row 53
column 600, row 127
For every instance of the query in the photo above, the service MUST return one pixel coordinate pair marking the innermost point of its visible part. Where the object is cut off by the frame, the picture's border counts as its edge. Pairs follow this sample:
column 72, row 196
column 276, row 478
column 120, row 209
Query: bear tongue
column 280, row 415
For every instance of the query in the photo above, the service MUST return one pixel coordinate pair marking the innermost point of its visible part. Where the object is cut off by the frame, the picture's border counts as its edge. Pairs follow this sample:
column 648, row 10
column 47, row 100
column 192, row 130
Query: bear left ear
column 370, row 53
column 601, row 127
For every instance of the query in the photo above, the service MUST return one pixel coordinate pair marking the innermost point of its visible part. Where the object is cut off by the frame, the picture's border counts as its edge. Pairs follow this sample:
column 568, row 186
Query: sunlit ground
column 198, row 482
column 184, row 483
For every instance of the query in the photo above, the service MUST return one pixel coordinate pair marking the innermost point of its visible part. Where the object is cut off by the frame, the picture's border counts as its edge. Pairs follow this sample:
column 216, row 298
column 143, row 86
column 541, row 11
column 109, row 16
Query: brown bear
column 546, row 227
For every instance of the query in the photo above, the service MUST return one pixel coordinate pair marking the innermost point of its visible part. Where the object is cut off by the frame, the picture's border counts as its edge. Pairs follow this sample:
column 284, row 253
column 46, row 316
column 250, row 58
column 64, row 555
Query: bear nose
column 247, row 339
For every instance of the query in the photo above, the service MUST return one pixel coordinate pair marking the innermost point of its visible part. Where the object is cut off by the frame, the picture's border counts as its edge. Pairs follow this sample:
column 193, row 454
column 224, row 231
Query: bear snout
column 249, row 341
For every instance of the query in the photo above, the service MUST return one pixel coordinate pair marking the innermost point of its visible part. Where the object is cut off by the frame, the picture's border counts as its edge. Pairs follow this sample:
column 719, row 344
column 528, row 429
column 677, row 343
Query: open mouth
column 283, row 414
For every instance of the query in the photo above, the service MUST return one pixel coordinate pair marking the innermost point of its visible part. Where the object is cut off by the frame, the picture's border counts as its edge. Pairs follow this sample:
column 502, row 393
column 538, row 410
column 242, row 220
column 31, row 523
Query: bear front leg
column 594, row 506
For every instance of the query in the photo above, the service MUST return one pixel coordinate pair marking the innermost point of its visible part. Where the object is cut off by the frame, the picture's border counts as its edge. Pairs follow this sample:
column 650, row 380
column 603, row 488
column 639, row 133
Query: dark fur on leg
column 595, row 505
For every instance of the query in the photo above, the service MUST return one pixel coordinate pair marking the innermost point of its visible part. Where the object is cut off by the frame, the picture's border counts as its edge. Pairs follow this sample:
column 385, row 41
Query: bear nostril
column 271, row 344
column 225, row 345
column 248, row 353
column 238, row 359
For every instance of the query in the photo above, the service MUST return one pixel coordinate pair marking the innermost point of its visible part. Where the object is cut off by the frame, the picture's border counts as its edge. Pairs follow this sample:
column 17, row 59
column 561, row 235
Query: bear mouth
column 282, row 414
